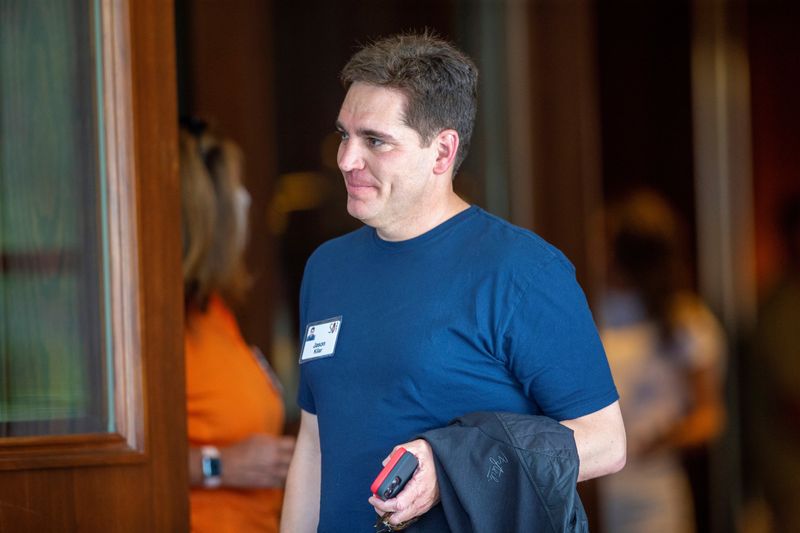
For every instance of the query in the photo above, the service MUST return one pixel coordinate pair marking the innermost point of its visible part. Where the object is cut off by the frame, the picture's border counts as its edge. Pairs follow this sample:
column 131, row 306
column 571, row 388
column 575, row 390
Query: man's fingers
column 419, row 494
column 408, row 504
column 381, row 505
column 386, row 459
column 405, row 512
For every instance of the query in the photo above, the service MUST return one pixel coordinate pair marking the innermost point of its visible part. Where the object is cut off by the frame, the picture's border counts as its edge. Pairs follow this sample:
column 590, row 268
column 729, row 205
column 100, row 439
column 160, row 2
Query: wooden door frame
column 135, row 479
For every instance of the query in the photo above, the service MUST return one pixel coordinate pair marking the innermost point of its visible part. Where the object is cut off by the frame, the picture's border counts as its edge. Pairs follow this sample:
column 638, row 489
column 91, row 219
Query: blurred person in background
column 238, row 459
column 666, row 352
column 776, row 368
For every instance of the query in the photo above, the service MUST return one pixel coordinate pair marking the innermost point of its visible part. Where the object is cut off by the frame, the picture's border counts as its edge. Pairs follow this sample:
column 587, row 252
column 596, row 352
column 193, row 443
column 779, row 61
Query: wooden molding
column 122, row 239
column 126, row 442
column 17, row 453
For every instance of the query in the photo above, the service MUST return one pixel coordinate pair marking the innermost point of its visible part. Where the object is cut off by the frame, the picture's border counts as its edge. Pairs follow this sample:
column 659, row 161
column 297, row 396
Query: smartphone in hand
column 395, row 474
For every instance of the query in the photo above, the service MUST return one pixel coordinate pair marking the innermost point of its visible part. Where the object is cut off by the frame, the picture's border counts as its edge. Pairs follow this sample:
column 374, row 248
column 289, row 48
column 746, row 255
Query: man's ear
column 446, row 148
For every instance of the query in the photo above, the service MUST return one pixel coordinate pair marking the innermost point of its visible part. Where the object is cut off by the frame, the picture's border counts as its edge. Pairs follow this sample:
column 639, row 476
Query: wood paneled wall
column 775, row 77
column 566, row 132
column 229, row 56
column 566, row 158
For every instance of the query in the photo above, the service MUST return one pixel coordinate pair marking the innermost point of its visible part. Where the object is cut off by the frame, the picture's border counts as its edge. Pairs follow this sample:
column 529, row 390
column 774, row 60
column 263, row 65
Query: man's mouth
column 356, row 184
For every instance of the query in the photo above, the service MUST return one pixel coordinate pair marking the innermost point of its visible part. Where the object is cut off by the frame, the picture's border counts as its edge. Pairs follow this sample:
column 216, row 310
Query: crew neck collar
column 429, row 235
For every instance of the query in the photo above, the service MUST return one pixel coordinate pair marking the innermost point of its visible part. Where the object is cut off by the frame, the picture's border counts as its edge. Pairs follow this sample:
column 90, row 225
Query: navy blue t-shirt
column 474, row 315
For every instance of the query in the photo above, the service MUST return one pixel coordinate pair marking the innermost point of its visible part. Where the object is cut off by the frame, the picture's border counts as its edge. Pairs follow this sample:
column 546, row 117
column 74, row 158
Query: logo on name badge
column 320, row 339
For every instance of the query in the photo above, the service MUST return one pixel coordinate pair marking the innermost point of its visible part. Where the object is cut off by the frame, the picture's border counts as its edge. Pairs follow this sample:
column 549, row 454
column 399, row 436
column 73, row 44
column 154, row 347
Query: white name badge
column 320, row 339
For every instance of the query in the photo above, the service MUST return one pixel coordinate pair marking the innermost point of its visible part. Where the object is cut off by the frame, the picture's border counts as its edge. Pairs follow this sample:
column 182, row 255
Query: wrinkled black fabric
column 506, row 473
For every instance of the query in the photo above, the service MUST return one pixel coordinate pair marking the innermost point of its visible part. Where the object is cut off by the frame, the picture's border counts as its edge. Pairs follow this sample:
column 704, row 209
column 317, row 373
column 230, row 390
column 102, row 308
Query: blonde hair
column 213, row 241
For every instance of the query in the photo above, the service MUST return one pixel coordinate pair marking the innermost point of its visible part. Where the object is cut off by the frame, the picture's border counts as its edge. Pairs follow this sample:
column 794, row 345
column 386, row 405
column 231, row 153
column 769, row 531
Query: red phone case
column 395, row 474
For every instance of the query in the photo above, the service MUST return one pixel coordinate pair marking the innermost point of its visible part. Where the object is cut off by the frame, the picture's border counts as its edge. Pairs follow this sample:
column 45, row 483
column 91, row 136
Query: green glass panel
column 54, row 364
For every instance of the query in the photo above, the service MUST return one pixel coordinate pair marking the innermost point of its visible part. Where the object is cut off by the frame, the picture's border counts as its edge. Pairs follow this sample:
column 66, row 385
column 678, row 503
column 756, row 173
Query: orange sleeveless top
column 229, row 397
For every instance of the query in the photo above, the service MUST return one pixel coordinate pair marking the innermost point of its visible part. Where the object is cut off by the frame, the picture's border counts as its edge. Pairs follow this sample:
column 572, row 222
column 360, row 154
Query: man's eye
column 373, row 142
column 343, row 135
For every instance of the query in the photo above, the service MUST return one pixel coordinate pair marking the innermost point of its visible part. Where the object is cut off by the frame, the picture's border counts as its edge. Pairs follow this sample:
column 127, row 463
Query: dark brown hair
column 439, row 81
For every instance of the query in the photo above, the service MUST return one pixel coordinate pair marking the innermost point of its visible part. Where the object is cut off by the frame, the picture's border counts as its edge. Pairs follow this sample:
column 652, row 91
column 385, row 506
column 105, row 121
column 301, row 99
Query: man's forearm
column 301, row 500
column 600, row 439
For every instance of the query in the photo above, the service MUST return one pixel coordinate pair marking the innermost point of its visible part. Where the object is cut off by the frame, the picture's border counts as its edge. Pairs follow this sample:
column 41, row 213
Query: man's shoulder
column 513, row 245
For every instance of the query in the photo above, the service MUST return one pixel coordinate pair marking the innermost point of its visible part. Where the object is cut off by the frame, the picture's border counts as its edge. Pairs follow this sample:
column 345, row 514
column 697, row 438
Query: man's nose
column 349, row 157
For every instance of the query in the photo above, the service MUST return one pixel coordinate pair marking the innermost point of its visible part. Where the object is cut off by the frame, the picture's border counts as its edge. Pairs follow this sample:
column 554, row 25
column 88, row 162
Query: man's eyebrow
column 367, row 132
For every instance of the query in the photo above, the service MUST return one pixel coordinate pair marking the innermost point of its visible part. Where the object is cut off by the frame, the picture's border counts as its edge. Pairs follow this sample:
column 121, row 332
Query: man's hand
column 420, row 493
column 259, row 461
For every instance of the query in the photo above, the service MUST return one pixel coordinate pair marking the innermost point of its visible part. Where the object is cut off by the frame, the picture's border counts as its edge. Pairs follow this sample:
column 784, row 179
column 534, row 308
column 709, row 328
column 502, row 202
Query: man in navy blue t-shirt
column 434, row 309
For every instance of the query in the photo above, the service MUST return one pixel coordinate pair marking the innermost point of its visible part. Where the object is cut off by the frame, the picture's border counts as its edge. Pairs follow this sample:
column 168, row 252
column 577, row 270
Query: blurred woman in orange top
column 237, row 457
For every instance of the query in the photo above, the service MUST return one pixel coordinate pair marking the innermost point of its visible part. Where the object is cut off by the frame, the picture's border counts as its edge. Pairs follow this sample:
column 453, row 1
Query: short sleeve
column 552, row 347
column 305, row 397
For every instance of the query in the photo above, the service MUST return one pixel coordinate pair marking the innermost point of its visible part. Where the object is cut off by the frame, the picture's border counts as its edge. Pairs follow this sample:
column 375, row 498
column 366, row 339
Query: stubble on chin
column 357, row 209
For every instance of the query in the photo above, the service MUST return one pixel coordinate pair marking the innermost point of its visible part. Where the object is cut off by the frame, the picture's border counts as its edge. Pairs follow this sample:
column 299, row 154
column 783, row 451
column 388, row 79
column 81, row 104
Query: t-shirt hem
column 306, row 407
column 586, row 408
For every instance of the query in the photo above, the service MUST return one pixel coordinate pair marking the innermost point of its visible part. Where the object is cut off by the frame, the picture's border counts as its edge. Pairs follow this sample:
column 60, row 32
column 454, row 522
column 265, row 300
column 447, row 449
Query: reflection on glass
column 52, row 319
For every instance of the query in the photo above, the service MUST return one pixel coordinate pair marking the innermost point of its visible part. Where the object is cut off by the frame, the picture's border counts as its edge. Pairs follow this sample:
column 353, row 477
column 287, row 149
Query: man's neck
column 417, row 225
